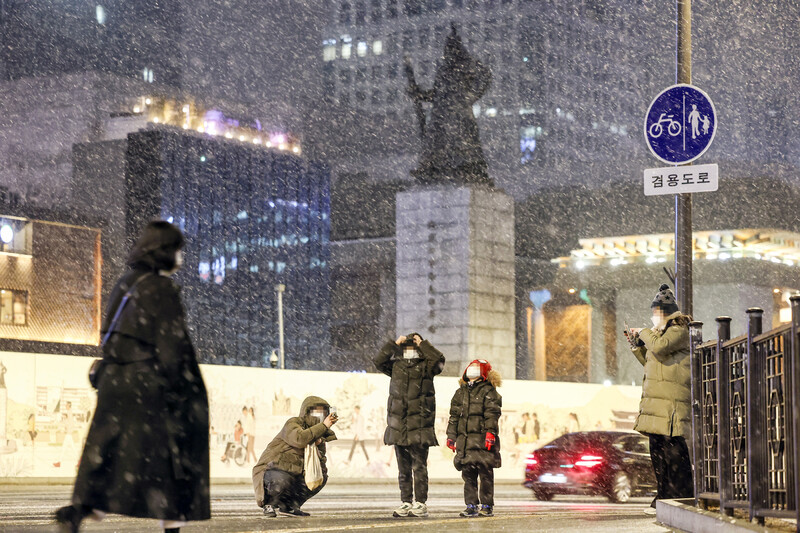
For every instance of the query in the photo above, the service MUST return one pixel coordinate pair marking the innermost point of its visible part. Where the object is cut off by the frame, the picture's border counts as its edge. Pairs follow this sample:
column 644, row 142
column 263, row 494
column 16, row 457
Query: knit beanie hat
column 665, row 300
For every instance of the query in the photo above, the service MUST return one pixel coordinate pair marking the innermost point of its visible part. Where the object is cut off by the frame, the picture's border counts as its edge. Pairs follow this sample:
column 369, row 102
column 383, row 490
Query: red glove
column 490, row 438
column 451, row 444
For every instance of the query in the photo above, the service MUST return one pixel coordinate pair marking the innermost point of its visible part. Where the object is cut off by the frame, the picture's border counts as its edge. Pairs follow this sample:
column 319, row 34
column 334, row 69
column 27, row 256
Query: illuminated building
column 49, row 284
column 253, row 217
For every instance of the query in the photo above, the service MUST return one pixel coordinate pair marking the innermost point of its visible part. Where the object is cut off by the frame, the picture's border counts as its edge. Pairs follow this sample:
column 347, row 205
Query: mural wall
column 46, row 404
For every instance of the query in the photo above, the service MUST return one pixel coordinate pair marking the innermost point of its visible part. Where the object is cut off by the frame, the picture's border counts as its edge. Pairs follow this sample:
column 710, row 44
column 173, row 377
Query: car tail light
column 531, row 460
column 589, row 461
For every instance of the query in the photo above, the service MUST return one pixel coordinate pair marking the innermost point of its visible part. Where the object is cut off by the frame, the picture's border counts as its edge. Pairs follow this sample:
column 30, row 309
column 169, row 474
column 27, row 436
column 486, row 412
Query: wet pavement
column 352, row 507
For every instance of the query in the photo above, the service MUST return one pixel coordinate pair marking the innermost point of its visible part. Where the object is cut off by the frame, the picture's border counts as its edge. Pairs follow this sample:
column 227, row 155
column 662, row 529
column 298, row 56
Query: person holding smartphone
column 664, row 412
column 278, row 480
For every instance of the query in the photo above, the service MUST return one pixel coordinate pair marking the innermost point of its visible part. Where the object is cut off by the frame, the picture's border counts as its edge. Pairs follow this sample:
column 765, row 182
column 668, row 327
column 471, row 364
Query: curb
column 683, row 516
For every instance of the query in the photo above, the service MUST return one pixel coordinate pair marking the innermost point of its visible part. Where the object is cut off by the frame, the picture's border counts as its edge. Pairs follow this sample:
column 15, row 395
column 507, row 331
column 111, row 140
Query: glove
column 451, row 444
column 490, row 439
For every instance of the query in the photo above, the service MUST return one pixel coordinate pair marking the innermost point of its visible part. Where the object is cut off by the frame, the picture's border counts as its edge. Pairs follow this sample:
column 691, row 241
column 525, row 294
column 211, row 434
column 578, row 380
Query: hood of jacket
column 306, row 406
column 493, row 377
column 676, row 318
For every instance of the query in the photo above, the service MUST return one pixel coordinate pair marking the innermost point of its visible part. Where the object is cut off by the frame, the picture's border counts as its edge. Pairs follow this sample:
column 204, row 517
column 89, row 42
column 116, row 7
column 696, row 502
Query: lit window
column 147, row 74
column 527, row 143
column 100, row 13
column 13, row 307
column 346, row 50
column 362, row 49
column 329, row 49
column 204, row 269
column 491, row 112
column 377, row 47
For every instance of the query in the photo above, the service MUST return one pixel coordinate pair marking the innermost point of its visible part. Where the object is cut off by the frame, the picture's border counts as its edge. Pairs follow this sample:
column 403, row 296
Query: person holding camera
column 411, row 363
column 278, row 480
column 664, row 411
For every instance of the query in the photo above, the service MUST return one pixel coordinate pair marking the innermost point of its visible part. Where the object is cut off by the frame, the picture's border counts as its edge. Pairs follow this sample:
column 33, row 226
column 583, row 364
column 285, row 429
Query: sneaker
column 470, row 512
column 269, row 511
column 290, row 511
column 402, row 511
column 419, row 510
column 486, row 510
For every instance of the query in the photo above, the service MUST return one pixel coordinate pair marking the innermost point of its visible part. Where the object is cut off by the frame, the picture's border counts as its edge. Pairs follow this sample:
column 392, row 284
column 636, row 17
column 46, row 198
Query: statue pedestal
column 455, row 273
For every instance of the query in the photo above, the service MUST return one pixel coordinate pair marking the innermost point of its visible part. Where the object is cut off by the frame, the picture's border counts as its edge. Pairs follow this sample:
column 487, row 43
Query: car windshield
column 633, row 444
column 572, row 441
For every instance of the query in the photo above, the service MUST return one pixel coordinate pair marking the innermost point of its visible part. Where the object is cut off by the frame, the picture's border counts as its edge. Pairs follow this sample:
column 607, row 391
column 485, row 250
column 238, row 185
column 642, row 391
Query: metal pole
column 756, row 439
column 724, row 413
column 696, row 369
column 683, row 202
column 792, row 368
column 280, row 288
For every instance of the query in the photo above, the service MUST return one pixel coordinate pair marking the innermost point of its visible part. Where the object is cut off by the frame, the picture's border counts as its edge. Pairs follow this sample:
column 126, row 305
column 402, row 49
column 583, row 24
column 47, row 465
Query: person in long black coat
column 146, row 454
column 411, row 362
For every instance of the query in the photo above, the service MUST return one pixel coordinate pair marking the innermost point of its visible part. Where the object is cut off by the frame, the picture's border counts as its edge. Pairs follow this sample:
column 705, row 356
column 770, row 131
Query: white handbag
column 313, row 467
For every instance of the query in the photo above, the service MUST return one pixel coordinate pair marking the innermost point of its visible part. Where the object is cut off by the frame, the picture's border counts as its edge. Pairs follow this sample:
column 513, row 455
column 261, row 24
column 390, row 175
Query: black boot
column 70, row 517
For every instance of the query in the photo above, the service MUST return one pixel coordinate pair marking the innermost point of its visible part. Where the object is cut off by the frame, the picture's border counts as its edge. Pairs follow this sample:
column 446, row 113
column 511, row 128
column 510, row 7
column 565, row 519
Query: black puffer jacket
column 474, row 411
column 412, row 399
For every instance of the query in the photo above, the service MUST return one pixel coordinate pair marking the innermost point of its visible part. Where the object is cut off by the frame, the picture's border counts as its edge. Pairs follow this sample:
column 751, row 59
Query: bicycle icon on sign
column 673, row 126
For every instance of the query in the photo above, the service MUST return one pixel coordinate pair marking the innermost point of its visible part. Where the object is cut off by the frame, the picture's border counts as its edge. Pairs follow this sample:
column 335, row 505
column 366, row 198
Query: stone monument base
column 455, row 273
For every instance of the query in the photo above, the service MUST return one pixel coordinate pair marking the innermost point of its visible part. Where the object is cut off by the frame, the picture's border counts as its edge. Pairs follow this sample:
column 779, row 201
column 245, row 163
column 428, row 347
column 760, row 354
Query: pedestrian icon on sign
column 680, row 124
column 694, row 120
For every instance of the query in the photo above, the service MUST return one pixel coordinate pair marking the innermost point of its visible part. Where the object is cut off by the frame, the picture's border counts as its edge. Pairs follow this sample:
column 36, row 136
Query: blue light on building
column 253, row 218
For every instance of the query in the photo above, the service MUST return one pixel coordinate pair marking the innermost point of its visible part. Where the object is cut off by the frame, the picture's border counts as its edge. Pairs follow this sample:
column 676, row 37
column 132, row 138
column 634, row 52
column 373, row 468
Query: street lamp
column 6, row 234
column 273, row 359
column 280, row 290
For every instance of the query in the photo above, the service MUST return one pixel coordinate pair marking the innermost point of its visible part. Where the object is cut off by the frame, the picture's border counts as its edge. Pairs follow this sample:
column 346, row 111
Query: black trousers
column 470, row 475
column 285, row 490
column 412, row 460
column 356, row 442
column 672, row 466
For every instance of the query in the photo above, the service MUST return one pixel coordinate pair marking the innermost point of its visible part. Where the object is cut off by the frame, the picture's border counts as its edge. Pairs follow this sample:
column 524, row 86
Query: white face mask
column 178, row 264
column 473, row 372
column 658, row 321
column 410, row 353
column 319, row 415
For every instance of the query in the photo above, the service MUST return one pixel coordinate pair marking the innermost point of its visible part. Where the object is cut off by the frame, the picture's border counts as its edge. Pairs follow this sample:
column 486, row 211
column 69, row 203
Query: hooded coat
column 474, row 411
column 411, row 409
column 146, row 453
column 287, row 450
column 666, row 394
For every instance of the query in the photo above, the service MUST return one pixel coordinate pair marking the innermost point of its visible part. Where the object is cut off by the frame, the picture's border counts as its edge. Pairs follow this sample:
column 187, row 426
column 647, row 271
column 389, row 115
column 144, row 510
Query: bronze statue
column 451, row 146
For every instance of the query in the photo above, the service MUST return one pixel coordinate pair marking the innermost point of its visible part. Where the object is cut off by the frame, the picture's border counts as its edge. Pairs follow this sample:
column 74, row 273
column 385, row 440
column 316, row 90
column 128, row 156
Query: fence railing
column 746, row 417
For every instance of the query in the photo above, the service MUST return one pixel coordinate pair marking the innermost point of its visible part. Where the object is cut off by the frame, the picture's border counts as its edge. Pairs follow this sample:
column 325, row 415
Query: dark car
column 615, row 464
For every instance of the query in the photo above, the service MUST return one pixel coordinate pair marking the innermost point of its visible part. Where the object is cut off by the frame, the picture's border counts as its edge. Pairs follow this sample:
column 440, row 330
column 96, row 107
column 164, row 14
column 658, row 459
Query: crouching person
column 278, row 478
column 472, row 433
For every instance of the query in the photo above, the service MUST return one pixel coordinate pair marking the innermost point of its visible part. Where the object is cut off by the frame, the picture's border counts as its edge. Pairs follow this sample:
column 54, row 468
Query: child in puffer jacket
column 473, row 433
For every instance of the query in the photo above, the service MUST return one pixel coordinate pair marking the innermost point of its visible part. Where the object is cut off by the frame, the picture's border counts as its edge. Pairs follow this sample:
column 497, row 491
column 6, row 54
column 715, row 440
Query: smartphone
column 333, row 412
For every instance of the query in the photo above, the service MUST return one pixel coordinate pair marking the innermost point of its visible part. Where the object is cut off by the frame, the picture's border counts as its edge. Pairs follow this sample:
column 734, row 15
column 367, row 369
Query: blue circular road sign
column 680, row 124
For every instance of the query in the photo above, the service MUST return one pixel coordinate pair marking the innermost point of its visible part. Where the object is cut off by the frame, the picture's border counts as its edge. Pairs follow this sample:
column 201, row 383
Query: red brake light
column 589, row 461
column 531, row 460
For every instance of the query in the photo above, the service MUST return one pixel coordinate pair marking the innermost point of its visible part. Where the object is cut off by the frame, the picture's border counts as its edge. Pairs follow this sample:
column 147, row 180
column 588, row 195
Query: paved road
column 352, row 507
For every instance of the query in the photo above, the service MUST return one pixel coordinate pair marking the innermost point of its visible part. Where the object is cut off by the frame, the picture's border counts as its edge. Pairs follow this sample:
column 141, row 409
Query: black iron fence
column 746, row 417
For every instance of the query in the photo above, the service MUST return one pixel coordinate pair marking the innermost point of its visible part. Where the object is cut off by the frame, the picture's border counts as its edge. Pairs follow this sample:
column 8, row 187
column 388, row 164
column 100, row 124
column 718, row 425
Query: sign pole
column 683, row 202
